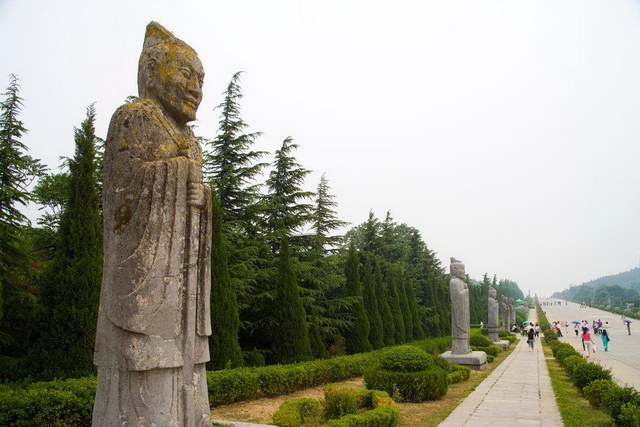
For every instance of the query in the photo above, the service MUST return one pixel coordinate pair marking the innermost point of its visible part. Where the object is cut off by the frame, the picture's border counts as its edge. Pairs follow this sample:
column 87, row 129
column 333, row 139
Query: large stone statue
column 154, row 317
column 512, row 311
column 505, row 313
column 493, row 315
column 461, row 353
column 460, row 311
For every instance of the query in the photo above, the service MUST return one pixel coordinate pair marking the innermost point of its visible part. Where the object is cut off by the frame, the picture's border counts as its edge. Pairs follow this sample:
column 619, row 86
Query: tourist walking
column 576, row 329
column 587, row 343
column 604, row 334
column 530, row 336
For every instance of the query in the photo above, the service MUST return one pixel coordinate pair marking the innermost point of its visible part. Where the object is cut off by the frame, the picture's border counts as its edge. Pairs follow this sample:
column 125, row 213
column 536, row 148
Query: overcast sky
column 507, row 132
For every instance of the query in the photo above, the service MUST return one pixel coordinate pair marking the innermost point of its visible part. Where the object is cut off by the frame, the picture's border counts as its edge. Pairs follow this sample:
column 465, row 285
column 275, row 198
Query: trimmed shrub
column 490, row 358
column 595, row 391
column 442, row 363
column 298, row 412
column 405, row 358
column 458, row 374
column 434, row 346
column 616, row 398
column 477, row 340
column 571, row 362
column 383, row 416
column 551, row 339
column 561, row 349
column 584, row 373
column 341, row 402
column 492, row 350
column 430, row 384
column 629, row 415
column 254, row 358
column 232, row 385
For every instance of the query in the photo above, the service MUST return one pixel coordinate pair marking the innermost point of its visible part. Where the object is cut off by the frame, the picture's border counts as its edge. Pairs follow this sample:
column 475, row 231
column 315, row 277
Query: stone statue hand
column 195, row 194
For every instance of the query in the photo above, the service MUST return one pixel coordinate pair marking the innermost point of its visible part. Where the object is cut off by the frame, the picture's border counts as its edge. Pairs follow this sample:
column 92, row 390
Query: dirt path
column 261, row 410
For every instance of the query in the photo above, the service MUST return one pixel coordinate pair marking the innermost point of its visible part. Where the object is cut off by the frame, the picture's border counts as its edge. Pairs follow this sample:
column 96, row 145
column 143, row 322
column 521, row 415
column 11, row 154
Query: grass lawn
column 574, row 408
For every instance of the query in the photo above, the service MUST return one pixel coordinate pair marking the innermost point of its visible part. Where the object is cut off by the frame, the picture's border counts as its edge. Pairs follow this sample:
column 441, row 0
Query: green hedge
column 458, row 373
column 298, row 412
column 596, row 391
column 430, row 384
column 615, row 400
column 405, row 358
column 384, row 416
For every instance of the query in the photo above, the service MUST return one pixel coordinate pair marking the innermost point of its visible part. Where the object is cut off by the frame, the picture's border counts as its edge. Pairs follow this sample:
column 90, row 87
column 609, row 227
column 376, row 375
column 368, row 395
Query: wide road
column 623, row 356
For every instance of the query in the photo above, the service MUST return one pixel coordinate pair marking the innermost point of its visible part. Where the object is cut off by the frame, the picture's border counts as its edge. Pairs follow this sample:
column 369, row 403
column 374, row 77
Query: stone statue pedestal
column 503, row 344
column 476, row 360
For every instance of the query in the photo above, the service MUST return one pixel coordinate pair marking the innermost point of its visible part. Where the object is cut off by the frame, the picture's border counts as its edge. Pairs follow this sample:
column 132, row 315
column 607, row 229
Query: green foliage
column 614, row 400
column 394, row 277
column 357, row 337
column 223, row 343
column 383, row 416
column 388, row 325
column 478, row 340
column 254, row 358
column 405, row 358
column 433, row 346
column 66, row 326
column 563, row 350
column 342, row 402
column 430, row 384
column 299, row 412
column 491, row 350
column 490, row 358
column 318, row 349
column 571, row 362
column 585, row 373
column 458, row 373
column 291, row 337
column 442, row 363
column 596, row 390
column 376, row 333
column 56, row 403
column 629, row 415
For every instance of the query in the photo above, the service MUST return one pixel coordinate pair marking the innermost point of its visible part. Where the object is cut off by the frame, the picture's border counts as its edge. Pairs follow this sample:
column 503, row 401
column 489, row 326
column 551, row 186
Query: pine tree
column 376, row 333
column 356, row 337
column 388, row 326
column 318, row 349
column 417, row 330
column 17, row 171
column 223, row 343
column 71, row 285
column 325, row 219
column 291, row 337
column 404, row 306
column 393, row 284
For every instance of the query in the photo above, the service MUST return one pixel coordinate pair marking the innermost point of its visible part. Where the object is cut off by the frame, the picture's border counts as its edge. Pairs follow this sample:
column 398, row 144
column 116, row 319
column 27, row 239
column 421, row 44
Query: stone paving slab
column 518, row 392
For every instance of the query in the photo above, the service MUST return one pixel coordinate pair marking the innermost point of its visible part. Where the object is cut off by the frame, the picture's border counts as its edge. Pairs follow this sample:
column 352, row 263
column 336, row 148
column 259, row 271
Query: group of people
column 532, row 332
column 588, row 345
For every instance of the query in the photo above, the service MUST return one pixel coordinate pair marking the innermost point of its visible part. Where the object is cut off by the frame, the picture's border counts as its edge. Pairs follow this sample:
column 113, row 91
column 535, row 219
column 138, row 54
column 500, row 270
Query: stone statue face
column 175, row 82
column 492, row 293
column 457, row 270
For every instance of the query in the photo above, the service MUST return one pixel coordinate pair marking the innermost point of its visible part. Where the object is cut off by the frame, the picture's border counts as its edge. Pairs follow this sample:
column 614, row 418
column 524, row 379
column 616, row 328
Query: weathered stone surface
column 512, row 311
column 476, row 360
column 505, row 313
column 460, row 311
column 492, row 325
column 154, row 317
column 503, row 344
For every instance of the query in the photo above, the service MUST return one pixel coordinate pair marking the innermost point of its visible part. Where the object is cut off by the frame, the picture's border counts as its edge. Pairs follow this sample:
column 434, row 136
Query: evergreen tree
column 404, row 306
column 71, row 285
column 325, row 219
column 393, row 284
column 376, row 333
column 388, row 325
column 17, row 171
column 318, row 349
column 224, row 347
column 291, row 337
column 356, row 337
column 417, row 330
column 287, row 213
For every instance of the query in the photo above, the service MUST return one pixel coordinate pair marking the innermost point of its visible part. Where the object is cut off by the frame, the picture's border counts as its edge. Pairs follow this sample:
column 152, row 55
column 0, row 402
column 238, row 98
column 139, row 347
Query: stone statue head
column 170, row 73
column 457, row 268
column 492, row 293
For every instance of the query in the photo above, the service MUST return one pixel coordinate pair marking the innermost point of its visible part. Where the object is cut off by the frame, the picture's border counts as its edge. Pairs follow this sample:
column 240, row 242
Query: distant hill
column 621, row 287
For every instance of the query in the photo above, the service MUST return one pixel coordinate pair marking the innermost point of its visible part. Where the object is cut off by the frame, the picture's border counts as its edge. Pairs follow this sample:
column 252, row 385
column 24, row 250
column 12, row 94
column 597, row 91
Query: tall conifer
column 388, row 325
column 376, row 333
column 356, row 337
column 71, row 285
column 404, row 306
column 291, row 337
column 393, row 284
column 224, row 347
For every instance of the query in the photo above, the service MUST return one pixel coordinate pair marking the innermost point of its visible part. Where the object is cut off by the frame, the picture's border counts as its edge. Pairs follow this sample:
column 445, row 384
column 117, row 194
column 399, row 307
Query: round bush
column 596, row 391
column 405, row 358
column 298, row 411
column 561, row 346
column 562, row 351
column 479, row 341
column 616, row 398
column 430, row 384
column 571, row 362
column 629, row 415
column 442, row 363
column 584, row 373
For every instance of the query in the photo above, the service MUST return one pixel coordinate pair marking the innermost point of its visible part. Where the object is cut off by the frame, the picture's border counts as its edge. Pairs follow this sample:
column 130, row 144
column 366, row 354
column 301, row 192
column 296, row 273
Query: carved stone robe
column 141, row 321
column 460, row 316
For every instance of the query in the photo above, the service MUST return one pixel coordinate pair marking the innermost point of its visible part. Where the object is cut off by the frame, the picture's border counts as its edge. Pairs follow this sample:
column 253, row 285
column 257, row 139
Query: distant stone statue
column 506, row 315
column 512, row 311
column 493, row 315
column 154, row 316
column 460, row 312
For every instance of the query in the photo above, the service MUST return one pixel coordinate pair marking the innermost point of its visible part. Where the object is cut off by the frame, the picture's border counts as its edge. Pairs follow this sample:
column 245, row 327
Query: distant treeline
column 616, row 290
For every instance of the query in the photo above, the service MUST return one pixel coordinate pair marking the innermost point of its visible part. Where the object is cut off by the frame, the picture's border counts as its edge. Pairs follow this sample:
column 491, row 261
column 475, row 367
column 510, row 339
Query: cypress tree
column 388, row 326
column 404, row 306
column 417, row 330
column 71, row 285
column 291, row 337
column 376, row 333
column 393, row 284
column 357, row 337
column 223, row 343
column 318, row 349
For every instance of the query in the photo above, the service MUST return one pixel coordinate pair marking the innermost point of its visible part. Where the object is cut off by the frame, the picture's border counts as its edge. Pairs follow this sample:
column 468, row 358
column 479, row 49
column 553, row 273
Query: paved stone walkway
column 622, row 357
column 518, row 392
